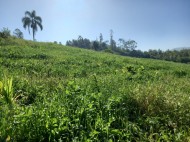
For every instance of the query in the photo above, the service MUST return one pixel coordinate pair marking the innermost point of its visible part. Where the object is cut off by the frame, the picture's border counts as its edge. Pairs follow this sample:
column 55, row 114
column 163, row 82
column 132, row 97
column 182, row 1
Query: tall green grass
column 60, row 93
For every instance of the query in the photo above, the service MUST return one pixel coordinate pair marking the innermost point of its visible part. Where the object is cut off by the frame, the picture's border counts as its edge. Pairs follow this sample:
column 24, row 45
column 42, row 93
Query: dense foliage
column 5, row 33
column 50, row 92
column 128, row 48
column 17, row 33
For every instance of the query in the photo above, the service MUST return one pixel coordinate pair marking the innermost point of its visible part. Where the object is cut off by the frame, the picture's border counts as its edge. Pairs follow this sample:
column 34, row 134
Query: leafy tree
column 131, row 44
column 80, row 42
column 128, row 45
column 104, row 45
column 100, row 41
column 80, row 38
column 18, row 33
column 101, row 38
column 32, row 21
column 86, row 43
column 5, row 32
column 122, row 43
column 69, row 43
column 95, row 45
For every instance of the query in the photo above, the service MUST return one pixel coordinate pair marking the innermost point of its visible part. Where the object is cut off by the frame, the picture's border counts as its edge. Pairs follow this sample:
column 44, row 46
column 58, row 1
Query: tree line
column 100, row 44
column 128, row 48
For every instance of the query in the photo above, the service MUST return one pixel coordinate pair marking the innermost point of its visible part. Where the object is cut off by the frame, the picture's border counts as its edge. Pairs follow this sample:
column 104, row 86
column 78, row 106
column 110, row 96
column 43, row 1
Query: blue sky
column 153, row 24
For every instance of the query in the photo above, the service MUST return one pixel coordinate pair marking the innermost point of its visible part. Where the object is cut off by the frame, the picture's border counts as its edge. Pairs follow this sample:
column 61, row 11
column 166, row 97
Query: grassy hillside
column 50, row 92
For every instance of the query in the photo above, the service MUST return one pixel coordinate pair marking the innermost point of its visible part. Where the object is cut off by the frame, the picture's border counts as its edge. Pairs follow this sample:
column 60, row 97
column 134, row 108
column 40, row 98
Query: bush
column 185, row 60
column 108, row 51
column 5, row 33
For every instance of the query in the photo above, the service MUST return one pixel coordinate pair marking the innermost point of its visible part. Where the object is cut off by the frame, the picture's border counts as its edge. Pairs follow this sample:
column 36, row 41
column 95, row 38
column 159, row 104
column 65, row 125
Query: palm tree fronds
column 39, row 24
column 26, row 23
column 32, row 21
column 38, row 18
column 33, row 14
column 27, row 13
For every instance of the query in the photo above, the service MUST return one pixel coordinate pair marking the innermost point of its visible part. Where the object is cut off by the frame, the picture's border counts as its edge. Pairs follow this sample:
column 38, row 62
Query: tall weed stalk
column 6, row 91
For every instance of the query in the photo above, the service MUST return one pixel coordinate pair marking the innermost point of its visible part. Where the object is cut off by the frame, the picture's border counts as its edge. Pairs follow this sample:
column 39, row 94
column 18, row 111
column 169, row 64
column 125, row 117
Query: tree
column 18, row 33
column 122, row 43
column 5, row 33
column 131, row 44
column 104, row 45
column 101, row 38
column 95, row 45
column 128, row 45
column 112, row 41
column 86, row 43
column 100, row 41
column 80, row 41
column 69, row 43
column 32, row 21
column 80, row 38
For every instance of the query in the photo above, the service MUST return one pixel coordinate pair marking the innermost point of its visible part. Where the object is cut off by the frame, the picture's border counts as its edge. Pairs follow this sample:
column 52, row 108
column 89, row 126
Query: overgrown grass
column 51, row 92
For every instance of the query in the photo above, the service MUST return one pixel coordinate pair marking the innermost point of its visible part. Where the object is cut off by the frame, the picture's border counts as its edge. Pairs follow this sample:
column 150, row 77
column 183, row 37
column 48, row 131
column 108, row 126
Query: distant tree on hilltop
column 112, row 41
column 32, row 21
column 18, row 33
column 5, row 32
column 128, row 45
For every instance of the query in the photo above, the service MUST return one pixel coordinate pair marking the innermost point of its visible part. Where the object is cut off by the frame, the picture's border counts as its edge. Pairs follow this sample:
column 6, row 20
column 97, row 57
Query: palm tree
column 32, row 21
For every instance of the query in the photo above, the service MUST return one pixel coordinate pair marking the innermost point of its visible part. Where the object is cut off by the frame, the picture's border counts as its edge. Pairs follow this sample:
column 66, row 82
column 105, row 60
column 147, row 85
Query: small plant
column 6, row 90
column 108, row 51
column 180, row 73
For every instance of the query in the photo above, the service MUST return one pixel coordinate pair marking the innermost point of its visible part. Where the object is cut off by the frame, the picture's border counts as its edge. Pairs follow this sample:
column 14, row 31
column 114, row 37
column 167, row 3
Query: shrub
column 5, row 33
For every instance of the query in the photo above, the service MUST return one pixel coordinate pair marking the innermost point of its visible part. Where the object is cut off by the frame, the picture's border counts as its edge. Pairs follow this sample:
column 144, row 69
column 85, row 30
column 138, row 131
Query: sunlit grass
column 60, row 93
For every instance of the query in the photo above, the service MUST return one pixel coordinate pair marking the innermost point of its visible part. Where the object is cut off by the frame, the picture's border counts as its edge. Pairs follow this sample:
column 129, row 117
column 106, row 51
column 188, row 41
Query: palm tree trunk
column 33, row 33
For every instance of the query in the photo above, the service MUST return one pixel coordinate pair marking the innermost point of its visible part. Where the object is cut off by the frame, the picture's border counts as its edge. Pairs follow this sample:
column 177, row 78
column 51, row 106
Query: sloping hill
column 52, row 92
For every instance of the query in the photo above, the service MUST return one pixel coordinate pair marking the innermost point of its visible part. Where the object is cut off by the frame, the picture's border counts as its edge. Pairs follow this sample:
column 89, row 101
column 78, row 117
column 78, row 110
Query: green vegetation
column 5, row 33
column 50, row 92
column 18, row 34
column 128, row 48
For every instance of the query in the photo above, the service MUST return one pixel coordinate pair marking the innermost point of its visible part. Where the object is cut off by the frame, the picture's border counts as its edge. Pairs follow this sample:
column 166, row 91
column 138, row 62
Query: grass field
column 50, row 92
